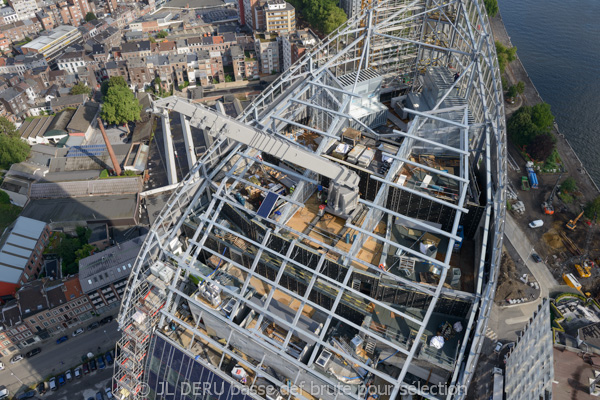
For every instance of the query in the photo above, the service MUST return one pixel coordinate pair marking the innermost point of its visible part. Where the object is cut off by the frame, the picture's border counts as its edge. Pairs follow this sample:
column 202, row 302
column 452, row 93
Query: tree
column 520, row 127
column 228, row 78
column 90, row 16
column 85, row 251
column 541, row 147
column 335, row 18
column 542, row 117
column 162, row 34
column 4, row 199
column 113, row 81
column 83, row 234
column 512, row 91
column 505, row 55
column 7, row 127
column 569, row 185
column 592, row 208
column 81, row 88
column 12, row 149
column 520, row 87
column 120, row 106
column 491, row 7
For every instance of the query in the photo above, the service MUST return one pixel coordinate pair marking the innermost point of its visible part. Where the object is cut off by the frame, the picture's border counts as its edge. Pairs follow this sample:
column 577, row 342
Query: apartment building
column 18, row 31
column 8, row 15
column 25, row 9
column 72, row 60
column 267, row 52
column 275, row 16
column 295, row 45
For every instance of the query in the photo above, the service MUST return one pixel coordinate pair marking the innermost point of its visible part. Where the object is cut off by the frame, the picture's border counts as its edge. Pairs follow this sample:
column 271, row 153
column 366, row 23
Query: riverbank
column 516, row 72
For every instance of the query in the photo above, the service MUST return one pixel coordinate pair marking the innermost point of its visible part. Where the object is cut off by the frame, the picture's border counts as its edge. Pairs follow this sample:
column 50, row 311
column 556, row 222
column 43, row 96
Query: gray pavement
column 85, row 387
column 56, row 358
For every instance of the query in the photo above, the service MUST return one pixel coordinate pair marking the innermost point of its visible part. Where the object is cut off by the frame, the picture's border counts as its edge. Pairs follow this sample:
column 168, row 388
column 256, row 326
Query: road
column 520, row 241
column 56, row 358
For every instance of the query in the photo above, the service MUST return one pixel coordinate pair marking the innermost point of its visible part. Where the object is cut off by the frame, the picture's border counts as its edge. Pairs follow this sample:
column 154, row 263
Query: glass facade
column 175, row 375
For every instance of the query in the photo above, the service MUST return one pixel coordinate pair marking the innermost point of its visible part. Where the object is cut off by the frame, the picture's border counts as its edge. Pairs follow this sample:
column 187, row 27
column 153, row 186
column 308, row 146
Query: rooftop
column 16, row 245
column 50, row 38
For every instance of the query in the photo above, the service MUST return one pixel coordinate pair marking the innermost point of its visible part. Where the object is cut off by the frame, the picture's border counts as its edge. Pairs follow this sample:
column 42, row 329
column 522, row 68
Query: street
column 56, row 358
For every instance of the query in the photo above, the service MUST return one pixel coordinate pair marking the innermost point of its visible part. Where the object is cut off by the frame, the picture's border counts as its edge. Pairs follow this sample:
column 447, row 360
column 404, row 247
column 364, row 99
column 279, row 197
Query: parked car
column 33, row 352
column 61, row 380
column 99, row 396
column 78, row 332
column 92, row 365
column 101, row 364
column 77, row 372
column 62, row 339
column 41, row 388
column 86, row 368
column 69, row 375
column 536, row 224
column 92, row 326
column 109, row 359
column 52, row 383
column 27, row 395
column 109, row 394
column 1, row 366
column 536, row 258
column 498, row 347
column 4, row 392
column 16, row 359
column 106, row 320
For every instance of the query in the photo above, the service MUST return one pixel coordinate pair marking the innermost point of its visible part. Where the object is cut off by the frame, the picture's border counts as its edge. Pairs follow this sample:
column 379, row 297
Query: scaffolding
column 257, row 182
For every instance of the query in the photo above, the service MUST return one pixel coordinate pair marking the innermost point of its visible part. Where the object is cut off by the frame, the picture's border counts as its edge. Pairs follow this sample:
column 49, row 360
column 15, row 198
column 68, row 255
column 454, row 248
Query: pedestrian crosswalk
column 489, row 333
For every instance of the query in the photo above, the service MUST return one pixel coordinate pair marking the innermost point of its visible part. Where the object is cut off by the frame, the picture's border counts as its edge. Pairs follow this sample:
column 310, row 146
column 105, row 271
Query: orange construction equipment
column 572, row 224
column 111, row 152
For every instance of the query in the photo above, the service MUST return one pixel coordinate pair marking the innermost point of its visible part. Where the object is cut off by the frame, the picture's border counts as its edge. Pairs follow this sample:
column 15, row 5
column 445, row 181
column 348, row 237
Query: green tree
column 12, row 148
column 66, row 251
column 152, row 40
column 512, row 91
column 81, row 88
column 520, row 87
column 592, row 208
column 505, row 55
column 7, row 127
column 228, row 78
column 4, row 199
column 85, row 251
column 520, row 127
column 113, row 81
column 335, row 18
column 120, row 106
column 569, row 185
column 491, row 7
column 162, row 34
column 83, row 234
column 90, row 16
column 541, row 147
column 542, row 117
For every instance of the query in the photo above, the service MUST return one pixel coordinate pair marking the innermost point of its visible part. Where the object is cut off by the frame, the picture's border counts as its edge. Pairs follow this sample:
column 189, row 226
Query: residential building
column 135, row 49
column 351, row 7
column 66, row 306
column 116, row 68
column 71, row 61
column 103, row 276
column 68, row 101
column 25, row 9
column 267, row 51
column 14, row 101
column 8, row 15
column 46, row 19
column 248, row 11
column 245, row 65
column 275, row 16
column 295, row 45
column 21, row 248
column 20, row 30
column 529, row 371
column 51, row 43
column 20, row 64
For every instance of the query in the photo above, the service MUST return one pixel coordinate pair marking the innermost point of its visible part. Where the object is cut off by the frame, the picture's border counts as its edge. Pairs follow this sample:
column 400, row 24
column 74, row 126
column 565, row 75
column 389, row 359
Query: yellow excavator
column 572, row 224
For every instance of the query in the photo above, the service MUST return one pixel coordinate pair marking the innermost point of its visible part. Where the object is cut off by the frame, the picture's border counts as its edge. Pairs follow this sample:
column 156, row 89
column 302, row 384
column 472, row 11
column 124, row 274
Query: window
column 33, row 321
column 52, row 321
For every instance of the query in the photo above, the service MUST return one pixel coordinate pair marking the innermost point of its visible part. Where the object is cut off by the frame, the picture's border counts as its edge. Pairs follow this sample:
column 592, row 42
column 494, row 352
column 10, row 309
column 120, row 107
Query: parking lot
column 83, row 388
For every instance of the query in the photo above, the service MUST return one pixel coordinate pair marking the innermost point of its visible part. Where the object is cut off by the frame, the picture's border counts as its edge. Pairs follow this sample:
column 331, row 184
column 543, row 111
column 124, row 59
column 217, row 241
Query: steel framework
column 407, row 43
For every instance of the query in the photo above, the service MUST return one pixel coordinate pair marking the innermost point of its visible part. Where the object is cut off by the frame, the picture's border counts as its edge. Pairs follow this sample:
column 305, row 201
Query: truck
column 498, row 384
column 525, row 183
column 532, row 176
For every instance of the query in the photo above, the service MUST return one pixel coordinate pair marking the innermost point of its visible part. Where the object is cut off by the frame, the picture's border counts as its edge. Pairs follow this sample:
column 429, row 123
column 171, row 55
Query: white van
column 52, row 383
column 536, row 224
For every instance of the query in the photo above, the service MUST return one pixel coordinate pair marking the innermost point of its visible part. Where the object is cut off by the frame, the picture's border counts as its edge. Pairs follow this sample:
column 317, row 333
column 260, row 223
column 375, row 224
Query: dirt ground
column 510, row 285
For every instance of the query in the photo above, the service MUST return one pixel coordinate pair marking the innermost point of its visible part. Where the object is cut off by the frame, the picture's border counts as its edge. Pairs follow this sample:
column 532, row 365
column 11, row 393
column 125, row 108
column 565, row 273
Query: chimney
column 111, row 152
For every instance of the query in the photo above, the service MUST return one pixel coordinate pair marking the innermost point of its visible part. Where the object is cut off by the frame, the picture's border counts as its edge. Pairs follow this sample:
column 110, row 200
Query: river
column 558, row 42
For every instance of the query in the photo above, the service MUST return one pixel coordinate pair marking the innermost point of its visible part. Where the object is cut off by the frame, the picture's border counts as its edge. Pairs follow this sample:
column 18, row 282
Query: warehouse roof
column 16, row 246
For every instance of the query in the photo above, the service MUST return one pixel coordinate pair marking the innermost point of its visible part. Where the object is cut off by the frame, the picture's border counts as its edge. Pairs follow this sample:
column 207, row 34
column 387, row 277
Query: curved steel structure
column 344, row 233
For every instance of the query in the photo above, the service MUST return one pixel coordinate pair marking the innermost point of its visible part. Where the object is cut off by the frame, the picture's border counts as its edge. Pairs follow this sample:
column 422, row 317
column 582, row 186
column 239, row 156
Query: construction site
column 340, row 239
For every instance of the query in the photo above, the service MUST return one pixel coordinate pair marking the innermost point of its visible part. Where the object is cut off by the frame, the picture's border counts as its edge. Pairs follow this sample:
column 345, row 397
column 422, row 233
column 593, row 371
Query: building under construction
column 341, row 238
